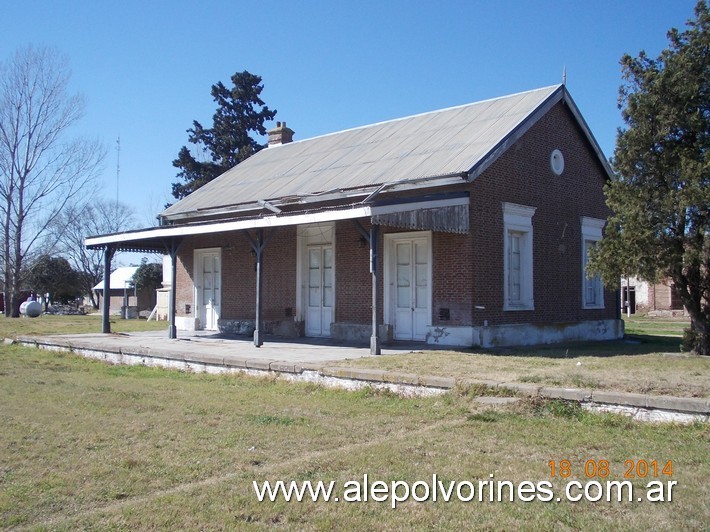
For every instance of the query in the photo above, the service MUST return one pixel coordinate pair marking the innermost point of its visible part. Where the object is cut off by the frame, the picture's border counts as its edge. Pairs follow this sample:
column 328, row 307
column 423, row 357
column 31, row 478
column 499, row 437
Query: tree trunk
column 94, row 300
column 14, row 305
column 7, row 280
column 701, row 330
column 693, row 302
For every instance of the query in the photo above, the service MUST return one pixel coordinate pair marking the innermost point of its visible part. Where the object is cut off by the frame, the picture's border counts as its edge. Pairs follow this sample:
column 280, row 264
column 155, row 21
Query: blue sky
column 146, row 67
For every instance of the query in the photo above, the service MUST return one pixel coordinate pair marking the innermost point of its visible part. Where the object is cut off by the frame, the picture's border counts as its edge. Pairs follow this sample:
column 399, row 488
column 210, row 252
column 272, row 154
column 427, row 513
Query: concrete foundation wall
column 494, row 336
column 357, row 333
column 536, row 334
column 286, row 328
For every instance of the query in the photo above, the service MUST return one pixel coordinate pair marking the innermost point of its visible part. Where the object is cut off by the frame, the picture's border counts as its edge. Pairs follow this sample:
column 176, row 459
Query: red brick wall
column 353, row 281
column 452, row 278
column 239, row 274
column 523, row 175
column 662, row 297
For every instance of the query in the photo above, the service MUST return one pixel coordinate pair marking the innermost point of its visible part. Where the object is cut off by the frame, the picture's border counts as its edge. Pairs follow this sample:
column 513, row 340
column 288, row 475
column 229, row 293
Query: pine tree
column 240, row 113
column 660, row 197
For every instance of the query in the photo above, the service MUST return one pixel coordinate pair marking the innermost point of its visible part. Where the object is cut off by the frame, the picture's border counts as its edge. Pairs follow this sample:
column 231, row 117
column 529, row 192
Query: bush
column 690, row 340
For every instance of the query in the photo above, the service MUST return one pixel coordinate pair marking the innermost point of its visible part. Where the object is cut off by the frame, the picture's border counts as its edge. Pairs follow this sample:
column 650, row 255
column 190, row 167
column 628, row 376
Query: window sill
column 593, row 307
column 514, row 308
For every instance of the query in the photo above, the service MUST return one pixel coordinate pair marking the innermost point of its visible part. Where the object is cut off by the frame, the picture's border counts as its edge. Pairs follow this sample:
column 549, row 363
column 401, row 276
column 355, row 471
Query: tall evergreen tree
column 240, row 113
column 660, row 227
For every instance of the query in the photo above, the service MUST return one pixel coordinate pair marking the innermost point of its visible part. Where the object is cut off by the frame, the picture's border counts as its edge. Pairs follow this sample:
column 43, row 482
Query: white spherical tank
column 31, row 309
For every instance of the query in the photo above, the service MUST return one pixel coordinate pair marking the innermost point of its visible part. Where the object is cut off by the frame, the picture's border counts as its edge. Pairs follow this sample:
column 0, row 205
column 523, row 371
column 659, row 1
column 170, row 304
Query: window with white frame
column 518, row 257
column 592, row 287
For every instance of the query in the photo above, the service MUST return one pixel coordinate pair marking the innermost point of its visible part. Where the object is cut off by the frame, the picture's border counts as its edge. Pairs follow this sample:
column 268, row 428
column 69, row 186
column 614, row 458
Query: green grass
column 55, row 324
column 86, row 445
column 641, row 325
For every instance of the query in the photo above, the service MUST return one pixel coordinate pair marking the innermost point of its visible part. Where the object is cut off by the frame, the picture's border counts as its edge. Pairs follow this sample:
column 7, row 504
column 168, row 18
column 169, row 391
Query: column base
column 375, row 348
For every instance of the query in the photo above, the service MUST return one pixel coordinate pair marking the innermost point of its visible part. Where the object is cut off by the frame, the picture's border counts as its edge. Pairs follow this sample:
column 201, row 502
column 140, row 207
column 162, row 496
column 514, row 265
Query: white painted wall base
column 453, row 336
column 525, row 334
column 185, row 323
column 530, row 334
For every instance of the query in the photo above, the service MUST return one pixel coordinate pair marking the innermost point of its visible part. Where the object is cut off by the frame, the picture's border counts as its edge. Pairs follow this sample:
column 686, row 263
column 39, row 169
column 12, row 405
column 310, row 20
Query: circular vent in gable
column 557, row 162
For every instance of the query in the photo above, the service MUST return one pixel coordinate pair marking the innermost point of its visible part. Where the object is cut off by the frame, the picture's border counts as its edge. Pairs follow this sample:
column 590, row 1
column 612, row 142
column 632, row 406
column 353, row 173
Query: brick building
column 465, row 226
column 651, row 298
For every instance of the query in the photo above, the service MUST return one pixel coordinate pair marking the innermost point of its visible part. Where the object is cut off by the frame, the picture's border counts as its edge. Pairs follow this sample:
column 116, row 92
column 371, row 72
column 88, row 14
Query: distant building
column 125, row 297
column 650, row 298
column 163, row 293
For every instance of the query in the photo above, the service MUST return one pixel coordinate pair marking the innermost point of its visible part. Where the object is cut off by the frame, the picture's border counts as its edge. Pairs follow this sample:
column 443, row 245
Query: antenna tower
column 118, row 164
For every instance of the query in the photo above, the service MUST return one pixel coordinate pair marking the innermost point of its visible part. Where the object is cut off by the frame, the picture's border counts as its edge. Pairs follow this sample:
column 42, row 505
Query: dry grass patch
column 647, row 361
column 662, row 374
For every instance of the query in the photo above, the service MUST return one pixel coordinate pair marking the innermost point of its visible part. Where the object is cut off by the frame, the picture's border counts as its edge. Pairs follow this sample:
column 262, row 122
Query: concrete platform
column 312, row 360
column 202, row 344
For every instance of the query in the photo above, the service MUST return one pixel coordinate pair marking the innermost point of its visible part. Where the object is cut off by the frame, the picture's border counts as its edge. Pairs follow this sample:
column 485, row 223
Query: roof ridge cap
column 424, row 113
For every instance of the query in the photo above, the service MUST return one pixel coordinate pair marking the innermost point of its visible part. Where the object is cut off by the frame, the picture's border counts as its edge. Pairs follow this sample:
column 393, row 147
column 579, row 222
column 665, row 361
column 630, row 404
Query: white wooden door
column 412, row 306
column 209, row 289
column 320, row 296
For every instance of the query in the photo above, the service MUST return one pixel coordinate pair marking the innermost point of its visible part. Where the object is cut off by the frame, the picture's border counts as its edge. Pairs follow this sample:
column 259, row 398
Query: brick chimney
column 280, row 134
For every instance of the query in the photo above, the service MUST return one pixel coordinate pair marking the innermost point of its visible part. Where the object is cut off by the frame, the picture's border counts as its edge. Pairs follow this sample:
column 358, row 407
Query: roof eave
column 561, row 94
column 157, row 237
column 587, row 132
column 404, row 185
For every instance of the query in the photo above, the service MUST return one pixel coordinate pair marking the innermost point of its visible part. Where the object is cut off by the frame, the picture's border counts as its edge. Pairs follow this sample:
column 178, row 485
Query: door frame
column 307, row 235
column 389, row 292
column 197, row 292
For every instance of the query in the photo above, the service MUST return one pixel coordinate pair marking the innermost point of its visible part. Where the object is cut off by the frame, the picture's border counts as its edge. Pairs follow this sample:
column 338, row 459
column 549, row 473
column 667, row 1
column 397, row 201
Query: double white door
column 411, row 286
column 208, row 288
column 320, row 297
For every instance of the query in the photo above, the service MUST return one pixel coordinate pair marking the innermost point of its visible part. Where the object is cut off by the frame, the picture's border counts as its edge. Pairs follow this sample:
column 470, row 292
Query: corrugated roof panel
column 485, row 134
column 420, row 165
column 437, row 143
column 331, row 179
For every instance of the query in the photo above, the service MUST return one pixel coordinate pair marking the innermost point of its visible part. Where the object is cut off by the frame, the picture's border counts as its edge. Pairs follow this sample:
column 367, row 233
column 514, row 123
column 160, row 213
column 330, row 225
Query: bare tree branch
column 41, row 170
column 75, row 223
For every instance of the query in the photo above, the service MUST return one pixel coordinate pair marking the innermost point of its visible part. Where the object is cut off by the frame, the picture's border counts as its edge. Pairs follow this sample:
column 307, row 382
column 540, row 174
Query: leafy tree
column 54, row 275
column 41, row 169
column 660, row 198
column 148, row 275
column 77, row 222
column 228, row 142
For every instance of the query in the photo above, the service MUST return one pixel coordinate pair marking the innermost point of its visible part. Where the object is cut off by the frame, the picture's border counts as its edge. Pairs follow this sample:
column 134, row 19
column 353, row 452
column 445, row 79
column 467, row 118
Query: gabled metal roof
column 460, row 141
column 120, row 278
